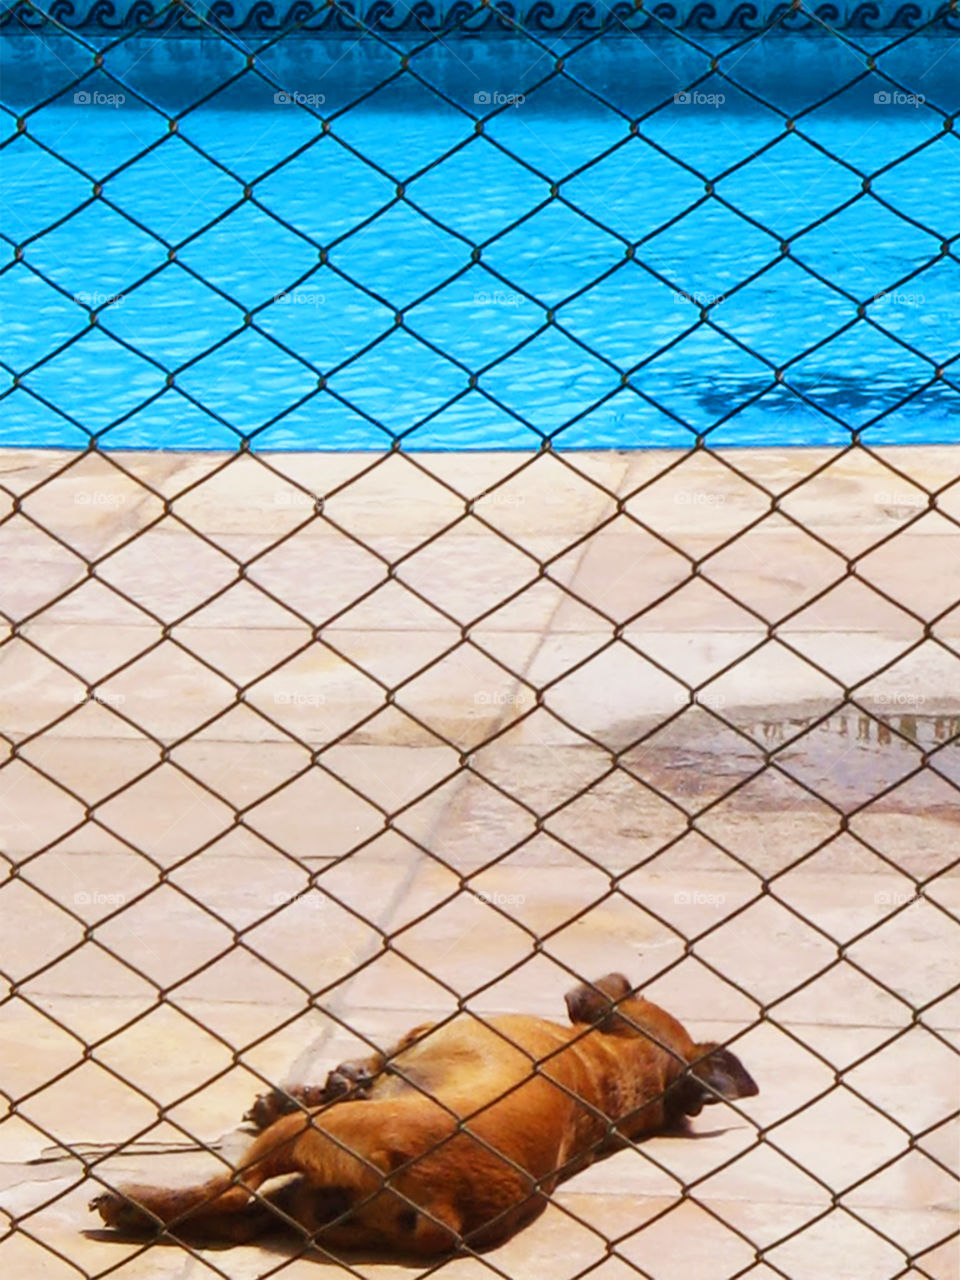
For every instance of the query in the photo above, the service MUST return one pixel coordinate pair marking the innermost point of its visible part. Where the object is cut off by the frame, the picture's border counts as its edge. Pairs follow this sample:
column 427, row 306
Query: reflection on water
column 848, row 759
column 883, row 729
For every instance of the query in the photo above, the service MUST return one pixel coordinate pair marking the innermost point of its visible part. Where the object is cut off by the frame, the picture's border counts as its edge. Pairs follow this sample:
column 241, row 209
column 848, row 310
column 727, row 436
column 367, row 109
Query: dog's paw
column 269, row 1107
column 349, row 1080
column 123, row 1214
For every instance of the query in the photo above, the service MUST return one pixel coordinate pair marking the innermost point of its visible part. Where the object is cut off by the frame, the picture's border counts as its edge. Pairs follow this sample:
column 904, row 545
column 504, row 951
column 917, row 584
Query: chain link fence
column 303, row 747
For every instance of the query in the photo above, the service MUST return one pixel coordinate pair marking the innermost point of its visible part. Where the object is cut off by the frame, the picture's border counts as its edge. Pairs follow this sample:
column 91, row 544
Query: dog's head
column 708, row 1072
column 715, row 1074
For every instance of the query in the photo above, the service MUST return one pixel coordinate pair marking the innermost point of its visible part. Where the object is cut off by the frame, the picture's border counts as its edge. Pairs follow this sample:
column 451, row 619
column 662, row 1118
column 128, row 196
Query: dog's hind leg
column 381, row 1174
column 354, row 1183
column 140, row 1210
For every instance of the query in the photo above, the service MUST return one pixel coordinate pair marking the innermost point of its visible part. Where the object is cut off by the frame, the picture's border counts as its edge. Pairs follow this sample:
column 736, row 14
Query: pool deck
column 599, row 611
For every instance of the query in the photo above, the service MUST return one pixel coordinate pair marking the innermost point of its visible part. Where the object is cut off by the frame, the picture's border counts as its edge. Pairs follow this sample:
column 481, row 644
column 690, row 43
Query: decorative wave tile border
column 487, row 17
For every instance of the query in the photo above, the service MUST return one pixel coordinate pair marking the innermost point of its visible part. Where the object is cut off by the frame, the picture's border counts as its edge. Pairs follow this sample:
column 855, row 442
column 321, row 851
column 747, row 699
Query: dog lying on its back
column 461, row 1132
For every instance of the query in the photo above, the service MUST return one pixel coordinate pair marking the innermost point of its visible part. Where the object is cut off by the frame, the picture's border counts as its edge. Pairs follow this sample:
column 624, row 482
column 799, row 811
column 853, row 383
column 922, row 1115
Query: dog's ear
column 590, row 1002
column 718, row 1074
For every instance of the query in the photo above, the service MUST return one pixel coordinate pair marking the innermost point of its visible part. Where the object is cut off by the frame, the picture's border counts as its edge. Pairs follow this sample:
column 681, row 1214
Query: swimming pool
column 635, row 251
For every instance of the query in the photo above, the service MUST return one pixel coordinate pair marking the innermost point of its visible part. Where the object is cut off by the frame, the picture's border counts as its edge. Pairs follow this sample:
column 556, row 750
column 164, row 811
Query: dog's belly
column 498, row 1078
column 479, row 1121
column 475, row 1061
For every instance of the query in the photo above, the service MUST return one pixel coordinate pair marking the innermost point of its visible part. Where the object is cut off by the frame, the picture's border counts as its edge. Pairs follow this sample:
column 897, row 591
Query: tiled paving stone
column 460, row 821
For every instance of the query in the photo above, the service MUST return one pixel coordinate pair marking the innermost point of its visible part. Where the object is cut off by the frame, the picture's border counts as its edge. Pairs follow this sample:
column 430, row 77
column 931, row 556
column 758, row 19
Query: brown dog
column 463, row 1132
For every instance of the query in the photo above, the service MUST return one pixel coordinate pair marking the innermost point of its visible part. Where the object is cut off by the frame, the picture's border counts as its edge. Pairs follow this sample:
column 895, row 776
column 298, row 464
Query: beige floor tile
column 467, row 845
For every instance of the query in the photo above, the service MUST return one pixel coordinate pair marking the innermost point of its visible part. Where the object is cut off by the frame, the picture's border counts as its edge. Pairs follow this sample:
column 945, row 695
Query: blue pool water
column 218, row 317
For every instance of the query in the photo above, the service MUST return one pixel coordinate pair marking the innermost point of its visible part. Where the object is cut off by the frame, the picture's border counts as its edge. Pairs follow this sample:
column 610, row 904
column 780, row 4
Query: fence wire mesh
column 300, row 748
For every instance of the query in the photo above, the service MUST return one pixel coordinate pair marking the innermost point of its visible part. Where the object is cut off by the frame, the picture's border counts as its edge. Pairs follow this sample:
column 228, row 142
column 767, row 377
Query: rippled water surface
column 219, row 316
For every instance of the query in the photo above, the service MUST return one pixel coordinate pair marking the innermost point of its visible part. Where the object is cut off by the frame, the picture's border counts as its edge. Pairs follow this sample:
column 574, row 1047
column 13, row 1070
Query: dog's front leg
column 349, row 1081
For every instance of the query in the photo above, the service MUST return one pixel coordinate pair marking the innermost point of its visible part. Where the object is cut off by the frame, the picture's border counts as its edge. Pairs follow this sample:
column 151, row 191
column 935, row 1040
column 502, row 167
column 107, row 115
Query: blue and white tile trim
column 420, row 17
